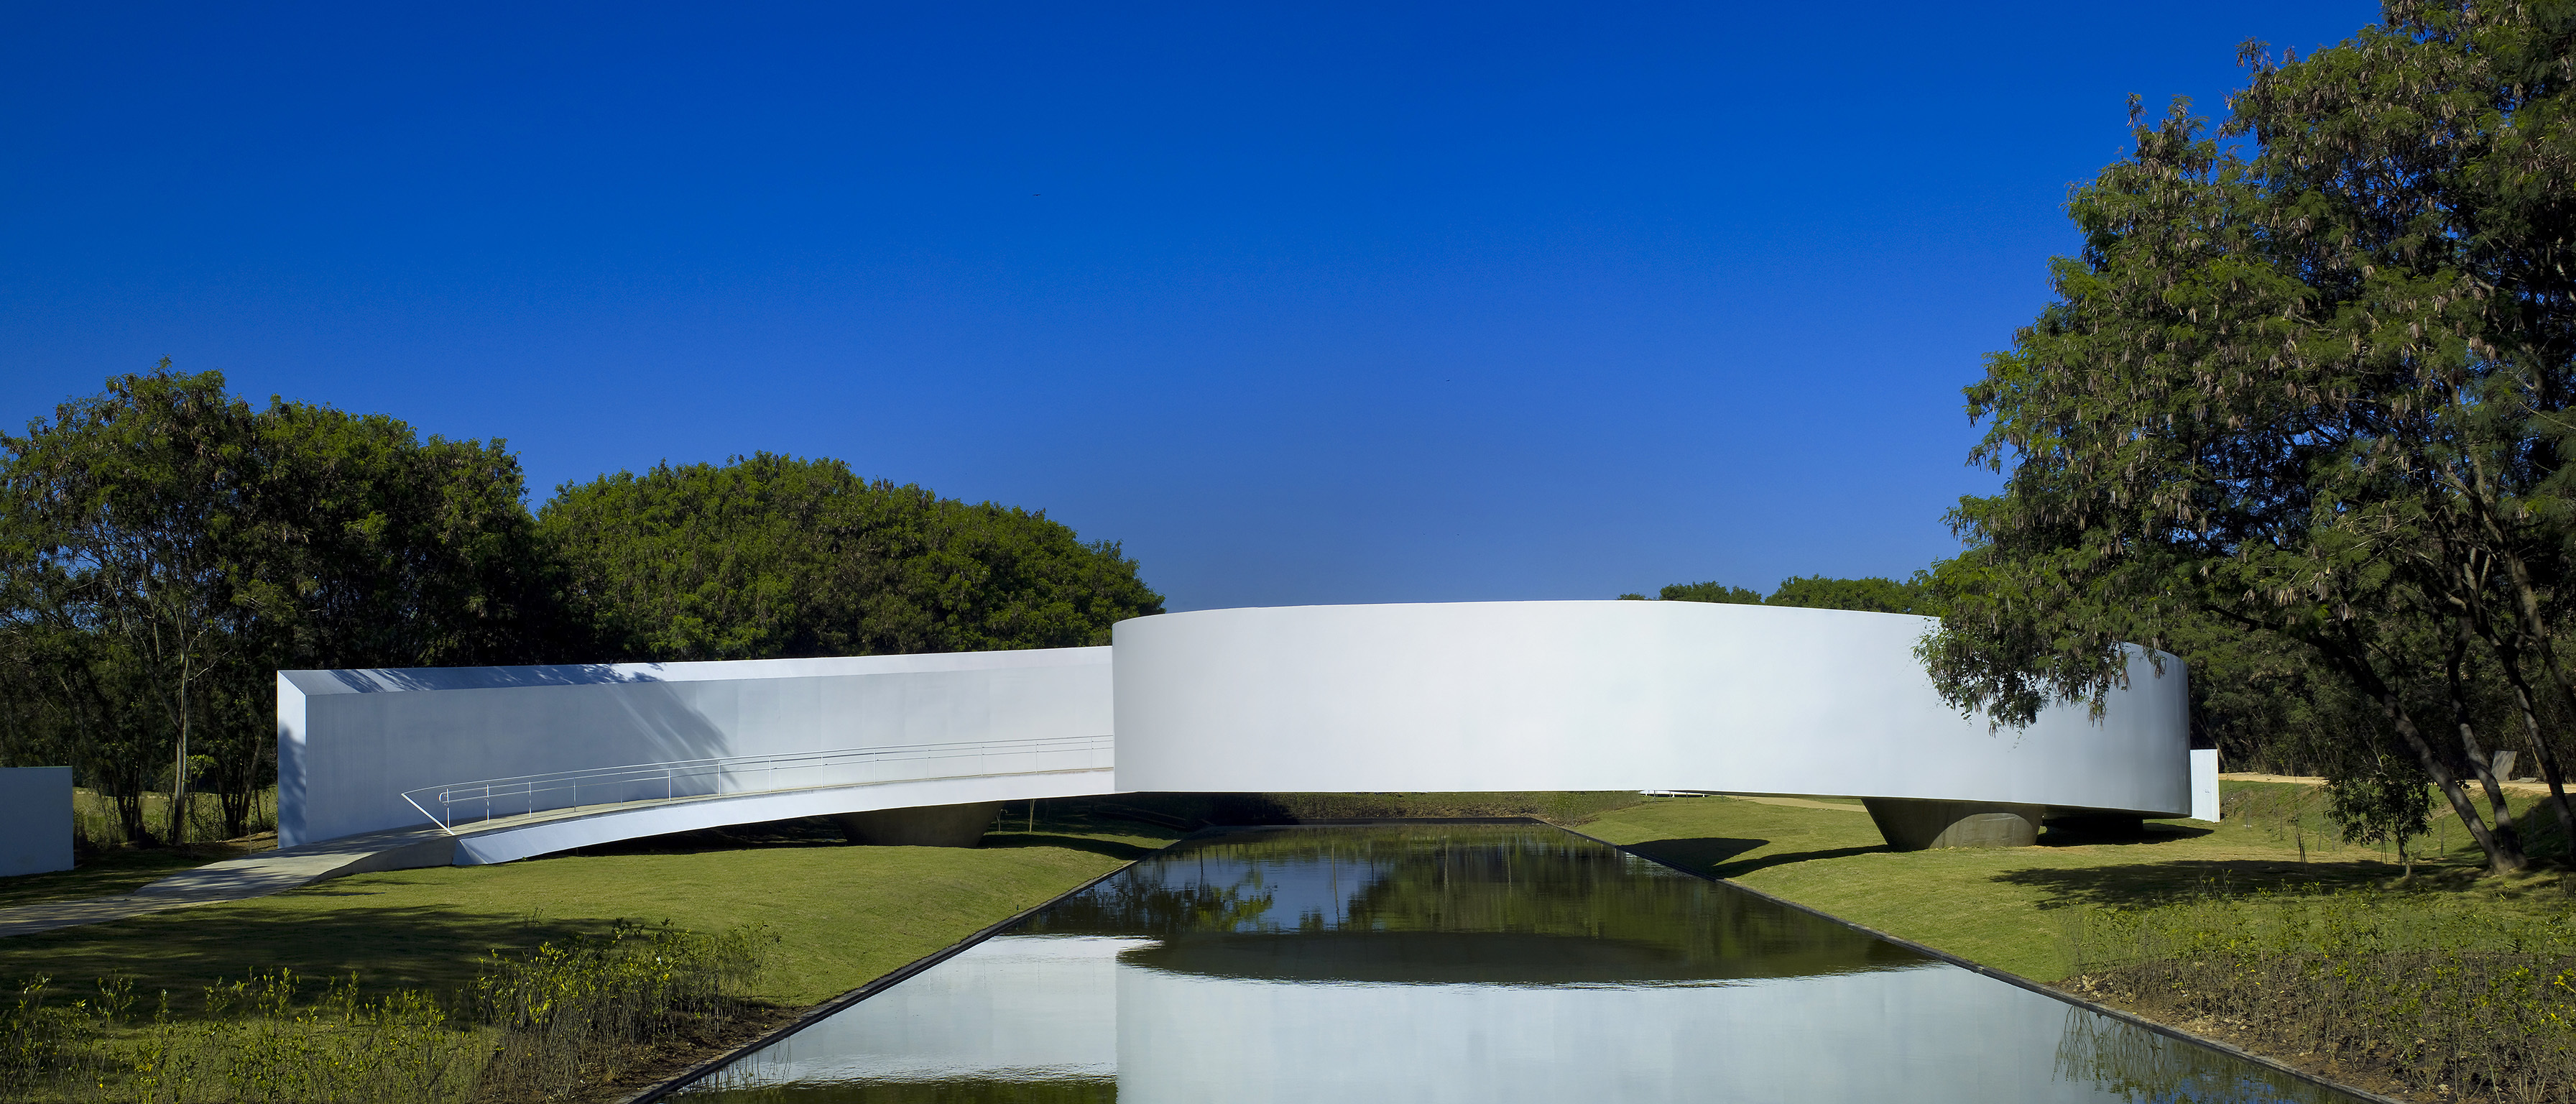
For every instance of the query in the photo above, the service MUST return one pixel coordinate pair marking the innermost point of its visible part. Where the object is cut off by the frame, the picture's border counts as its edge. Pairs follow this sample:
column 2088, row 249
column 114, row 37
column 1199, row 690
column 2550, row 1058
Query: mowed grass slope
column 839, row 915
column 2010, row 907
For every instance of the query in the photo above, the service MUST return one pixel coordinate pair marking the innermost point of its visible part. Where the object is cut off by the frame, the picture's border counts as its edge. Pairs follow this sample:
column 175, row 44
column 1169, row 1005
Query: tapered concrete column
column 1916, row 825
column 926, row 826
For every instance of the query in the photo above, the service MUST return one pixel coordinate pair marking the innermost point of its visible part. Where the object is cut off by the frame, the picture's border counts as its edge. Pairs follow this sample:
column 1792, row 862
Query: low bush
column 582, row 1014
column 555, row 1023
column 2435, row 994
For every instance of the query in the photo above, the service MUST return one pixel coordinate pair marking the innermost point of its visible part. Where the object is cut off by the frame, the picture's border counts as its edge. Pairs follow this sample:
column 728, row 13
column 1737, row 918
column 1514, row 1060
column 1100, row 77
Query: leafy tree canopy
column 1874, row 595
column 166, row 547
column 2312, row 386
column 770, row 556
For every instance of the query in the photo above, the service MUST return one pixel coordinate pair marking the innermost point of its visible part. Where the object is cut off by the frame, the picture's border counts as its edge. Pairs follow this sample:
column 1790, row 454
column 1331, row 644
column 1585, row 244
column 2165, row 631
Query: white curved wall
column 350, row 742
column 1459, row 696
column 1608, row 695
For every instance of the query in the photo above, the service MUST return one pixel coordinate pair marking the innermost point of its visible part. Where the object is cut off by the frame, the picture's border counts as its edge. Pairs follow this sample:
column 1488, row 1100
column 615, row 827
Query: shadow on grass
column 390, row 947
column 1740, row 869
column 1116, row 849
column 2144, row 884
column 121, row 869
column 2061, row 835
column 1701, row 855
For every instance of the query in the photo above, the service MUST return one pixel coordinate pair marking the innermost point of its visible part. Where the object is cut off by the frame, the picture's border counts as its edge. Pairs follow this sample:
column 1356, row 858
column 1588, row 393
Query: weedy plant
column 577, row 1015
column 2435, row 993
column 554, row 1023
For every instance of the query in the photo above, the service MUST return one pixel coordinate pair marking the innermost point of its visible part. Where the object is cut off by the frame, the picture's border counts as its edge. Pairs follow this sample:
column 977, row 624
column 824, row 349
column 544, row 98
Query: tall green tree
column 770, row 556
column 2312, row 385
column 128, row 523
column 165, row 548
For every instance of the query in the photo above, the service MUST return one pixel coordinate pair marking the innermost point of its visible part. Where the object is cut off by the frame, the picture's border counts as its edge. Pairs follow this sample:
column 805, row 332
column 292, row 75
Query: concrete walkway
column 238, row 879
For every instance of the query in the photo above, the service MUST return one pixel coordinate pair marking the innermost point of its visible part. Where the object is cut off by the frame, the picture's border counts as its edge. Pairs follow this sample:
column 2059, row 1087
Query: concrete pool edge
column 2010, row 978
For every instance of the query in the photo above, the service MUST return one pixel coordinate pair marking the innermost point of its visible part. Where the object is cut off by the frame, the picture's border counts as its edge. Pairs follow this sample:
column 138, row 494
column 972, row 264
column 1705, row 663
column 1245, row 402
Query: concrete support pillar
column 924, row 826
column 1918, row 825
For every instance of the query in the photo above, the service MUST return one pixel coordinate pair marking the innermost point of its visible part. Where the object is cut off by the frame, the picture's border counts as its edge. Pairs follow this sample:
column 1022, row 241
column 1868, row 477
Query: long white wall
column 1457, row 696
column 1609, row 695
column 350, row 742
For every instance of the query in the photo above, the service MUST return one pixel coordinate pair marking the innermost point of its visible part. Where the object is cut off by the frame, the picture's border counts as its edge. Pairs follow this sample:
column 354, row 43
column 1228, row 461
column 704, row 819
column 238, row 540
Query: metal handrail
column 528, row 794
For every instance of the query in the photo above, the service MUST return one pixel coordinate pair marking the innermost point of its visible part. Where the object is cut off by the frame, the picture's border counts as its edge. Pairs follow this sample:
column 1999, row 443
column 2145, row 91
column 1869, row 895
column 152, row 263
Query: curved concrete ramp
column 512, row 838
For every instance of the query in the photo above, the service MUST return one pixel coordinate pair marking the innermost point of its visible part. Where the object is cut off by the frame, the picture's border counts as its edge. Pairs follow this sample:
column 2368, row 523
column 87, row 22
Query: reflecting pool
column 1468, row 963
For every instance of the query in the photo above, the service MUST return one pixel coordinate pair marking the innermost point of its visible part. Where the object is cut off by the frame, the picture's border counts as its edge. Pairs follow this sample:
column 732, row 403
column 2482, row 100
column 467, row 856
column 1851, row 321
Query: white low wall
column 1609, row 695
column 35, row 820
column 2204, row 784
column 350, row 742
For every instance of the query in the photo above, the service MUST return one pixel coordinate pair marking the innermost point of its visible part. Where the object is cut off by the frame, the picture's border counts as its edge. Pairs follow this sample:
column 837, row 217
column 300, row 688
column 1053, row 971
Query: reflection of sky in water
column 1294, row 888
column 1505, row 965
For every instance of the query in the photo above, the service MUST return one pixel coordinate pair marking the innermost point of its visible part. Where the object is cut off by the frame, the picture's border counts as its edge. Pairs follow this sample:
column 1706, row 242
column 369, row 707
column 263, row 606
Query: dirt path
column 2304, row 780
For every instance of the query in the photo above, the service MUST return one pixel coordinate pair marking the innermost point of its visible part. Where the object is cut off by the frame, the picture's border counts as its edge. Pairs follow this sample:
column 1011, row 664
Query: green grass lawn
column 2009, row 907
column 840, row 915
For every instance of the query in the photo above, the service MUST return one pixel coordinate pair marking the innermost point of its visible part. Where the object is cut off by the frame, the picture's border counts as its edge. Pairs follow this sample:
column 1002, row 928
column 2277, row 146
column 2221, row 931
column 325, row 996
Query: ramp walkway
column 235, row 879
column 471, row 824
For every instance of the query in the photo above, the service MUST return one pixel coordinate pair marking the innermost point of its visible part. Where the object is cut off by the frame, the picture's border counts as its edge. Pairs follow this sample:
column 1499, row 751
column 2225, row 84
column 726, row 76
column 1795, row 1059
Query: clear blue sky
column 1306, row 304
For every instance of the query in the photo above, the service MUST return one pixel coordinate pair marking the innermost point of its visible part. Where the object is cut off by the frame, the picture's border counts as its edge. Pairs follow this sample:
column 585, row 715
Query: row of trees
column 165, row 547
column 1874, row 595
column 2301, row 413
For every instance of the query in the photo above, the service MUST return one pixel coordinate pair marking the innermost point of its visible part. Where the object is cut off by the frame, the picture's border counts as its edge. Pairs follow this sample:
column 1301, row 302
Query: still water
column 1458, row 963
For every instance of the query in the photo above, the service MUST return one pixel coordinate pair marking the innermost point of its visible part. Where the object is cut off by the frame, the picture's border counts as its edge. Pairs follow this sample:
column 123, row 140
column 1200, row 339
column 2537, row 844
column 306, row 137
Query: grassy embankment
column 2010, row 907
column 838, row 916
column 825, row 917
column 843, row 915
column 2264, row 930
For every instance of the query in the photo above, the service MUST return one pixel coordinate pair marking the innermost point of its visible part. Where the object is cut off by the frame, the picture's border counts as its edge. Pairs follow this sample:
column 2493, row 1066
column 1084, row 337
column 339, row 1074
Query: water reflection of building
column 1463, row 964
column 1029, row 1011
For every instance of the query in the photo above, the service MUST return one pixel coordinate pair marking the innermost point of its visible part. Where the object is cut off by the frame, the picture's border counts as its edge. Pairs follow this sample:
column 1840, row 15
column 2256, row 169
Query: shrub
column 2424, row 991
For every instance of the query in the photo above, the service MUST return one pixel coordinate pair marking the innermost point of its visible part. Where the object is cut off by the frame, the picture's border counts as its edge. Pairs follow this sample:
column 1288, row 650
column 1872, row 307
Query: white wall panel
column 1608, row 695
column 350, row 742
column 35, row 820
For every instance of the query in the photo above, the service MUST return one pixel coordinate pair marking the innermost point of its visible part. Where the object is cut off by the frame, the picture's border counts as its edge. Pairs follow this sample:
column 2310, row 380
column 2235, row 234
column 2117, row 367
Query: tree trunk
column 2533, row 626
column 2509, row 658
column 179, row 773
column 2480, row 763
column 2503, row 856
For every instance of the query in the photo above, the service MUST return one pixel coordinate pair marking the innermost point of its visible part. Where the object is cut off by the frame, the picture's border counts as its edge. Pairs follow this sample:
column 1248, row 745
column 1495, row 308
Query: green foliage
column 555, row 1023
column 2386, row 803
column 257, row 1042
column 2426, row 990
column 165, row 548
column 577, row 1015
column 1874, row 595
column 1709, row 592
column 2312, row 387
column 774, row 556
